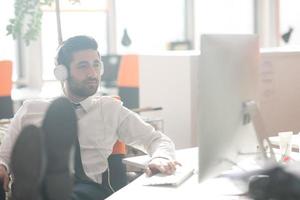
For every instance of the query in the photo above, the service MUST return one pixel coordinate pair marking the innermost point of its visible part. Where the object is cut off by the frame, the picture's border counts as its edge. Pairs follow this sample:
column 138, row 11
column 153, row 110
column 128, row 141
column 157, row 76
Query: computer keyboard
column 179, row 176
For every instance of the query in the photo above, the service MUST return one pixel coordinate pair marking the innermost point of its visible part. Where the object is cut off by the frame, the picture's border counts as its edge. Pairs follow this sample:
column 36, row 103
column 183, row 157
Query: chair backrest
column 111, row 69
column 129, row 71
column 6, row 105
column 128, row 81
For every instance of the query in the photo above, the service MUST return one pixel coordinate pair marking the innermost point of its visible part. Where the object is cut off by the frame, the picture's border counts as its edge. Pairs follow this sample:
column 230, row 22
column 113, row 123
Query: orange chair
column 6, row 105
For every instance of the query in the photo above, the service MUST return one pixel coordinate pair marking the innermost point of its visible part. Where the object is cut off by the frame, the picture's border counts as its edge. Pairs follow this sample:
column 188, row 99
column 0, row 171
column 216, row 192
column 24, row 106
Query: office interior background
column 156, row 27
column 151, row 25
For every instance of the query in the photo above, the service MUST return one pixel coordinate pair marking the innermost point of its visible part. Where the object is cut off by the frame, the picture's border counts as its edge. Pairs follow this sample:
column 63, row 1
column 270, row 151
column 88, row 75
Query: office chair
column 128, row 81
column 6, row 104
column 117, row 169
column 111, row 69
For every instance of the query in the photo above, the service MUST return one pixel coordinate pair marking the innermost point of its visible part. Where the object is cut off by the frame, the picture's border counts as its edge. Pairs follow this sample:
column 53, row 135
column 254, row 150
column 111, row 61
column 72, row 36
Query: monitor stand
column 261, row 132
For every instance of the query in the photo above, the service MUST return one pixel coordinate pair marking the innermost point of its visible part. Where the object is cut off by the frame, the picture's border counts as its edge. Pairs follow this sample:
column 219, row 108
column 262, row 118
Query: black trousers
column 2, row 193
column 88, row 190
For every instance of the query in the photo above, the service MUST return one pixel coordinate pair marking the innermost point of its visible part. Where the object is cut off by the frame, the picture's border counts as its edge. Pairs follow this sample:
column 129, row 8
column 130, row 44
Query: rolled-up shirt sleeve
column 137, row 133
column 31, row 112
column 11, row 137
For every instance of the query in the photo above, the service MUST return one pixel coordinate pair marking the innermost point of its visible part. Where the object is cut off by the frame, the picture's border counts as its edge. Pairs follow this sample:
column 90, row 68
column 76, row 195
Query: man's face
column 84, row 73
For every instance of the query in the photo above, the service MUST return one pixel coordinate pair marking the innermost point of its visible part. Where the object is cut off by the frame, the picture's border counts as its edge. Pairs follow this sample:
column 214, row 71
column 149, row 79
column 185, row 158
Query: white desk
column 219, row 188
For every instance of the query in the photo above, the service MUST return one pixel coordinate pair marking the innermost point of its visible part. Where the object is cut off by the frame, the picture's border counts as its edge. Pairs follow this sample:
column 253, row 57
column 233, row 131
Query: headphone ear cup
column 102, row 69
column 61, row 72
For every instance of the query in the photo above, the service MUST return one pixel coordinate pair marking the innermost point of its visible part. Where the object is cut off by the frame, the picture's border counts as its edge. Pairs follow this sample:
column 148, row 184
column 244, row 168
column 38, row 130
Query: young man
column 101, row 121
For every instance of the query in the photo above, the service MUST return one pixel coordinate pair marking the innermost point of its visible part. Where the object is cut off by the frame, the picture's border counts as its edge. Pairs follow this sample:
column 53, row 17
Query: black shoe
column 28, row 164
column 60, row 128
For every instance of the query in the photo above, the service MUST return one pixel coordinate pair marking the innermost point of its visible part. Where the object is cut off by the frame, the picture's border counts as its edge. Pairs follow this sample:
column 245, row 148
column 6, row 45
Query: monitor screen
column 228, row 77
column 111, row 69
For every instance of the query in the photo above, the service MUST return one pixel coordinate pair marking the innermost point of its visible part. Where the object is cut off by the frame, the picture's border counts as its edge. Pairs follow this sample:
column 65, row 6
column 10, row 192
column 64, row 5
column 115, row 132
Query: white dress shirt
column 101, row 121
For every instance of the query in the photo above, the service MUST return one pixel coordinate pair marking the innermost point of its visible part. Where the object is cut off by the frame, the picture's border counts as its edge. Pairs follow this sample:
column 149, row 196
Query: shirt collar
column 87, row 103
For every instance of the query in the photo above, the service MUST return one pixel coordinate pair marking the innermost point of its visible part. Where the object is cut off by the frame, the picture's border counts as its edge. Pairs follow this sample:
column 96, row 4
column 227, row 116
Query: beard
column 85, row 88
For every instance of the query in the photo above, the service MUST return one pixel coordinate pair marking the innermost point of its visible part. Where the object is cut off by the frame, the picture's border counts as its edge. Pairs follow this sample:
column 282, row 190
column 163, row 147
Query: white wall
column 170, row 81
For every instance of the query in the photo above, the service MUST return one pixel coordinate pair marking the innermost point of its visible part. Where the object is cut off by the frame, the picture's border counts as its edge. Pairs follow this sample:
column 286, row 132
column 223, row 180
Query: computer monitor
column 228, row 77
column 111, row 70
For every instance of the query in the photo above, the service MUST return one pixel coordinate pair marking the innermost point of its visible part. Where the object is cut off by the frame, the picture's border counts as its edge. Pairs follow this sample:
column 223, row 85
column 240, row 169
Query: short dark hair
column 72, row 45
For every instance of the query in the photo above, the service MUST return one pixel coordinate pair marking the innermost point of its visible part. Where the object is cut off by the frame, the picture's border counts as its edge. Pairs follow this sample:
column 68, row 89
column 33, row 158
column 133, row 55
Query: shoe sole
column 28, row 164
column 60, row 128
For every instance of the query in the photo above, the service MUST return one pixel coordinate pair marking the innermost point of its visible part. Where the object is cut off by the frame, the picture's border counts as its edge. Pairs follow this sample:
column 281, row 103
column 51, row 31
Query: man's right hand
column 4, row 177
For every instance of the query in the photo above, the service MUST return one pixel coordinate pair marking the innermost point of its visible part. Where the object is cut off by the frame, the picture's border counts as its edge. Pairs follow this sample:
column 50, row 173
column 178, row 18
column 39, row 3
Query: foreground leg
column 28, row 164
column 60, row 128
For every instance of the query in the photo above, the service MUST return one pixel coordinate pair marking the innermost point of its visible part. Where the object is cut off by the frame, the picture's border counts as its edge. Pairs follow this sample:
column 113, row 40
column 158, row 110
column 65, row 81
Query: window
column 290, row 22
column 230, row 16
column 87, row 17
column 151, row 25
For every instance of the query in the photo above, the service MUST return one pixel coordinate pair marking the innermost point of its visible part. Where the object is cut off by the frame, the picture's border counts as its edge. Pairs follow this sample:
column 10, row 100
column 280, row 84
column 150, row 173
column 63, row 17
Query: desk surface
column 217, row 188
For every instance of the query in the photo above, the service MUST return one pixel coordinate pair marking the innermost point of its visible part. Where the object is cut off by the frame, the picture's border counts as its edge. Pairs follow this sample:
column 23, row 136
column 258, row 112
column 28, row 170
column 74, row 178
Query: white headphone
column 61, row 72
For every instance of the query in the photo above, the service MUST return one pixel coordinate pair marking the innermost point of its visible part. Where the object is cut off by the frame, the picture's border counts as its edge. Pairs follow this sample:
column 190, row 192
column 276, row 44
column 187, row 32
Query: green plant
column 28, row 19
